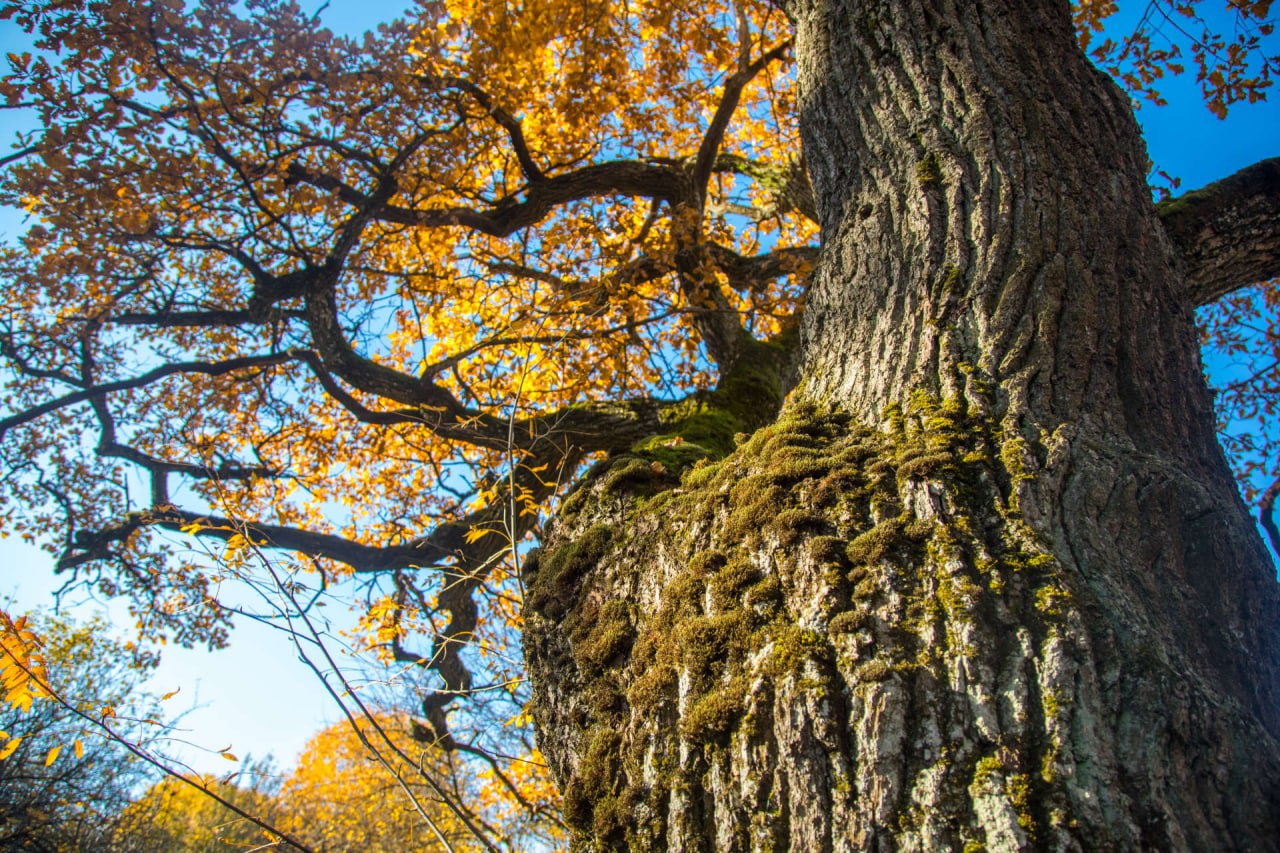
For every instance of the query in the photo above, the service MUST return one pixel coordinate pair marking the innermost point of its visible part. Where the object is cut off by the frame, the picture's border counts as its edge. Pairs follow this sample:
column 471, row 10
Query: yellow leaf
column 476, row 533
column 10, row 748
column 79, row 748
column 52, row 756
column 170, row 694
column 229, row 756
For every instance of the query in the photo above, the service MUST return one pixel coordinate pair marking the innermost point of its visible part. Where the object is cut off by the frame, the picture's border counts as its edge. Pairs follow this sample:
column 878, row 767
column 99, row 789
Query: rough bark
column 986, row 582
column 1228, row 233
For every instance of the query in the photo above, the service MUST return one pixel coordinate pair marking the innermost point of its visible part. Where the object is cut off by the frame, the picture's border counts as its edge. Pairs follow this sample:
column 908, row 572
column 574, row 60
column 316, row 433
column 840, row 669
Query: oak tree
column 982, row 580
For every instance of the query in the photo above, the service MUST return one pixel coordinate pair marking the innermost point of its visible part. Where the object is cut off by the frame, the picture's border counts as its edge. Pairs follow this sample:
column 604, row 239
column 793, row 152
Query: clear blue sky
column 258, row 698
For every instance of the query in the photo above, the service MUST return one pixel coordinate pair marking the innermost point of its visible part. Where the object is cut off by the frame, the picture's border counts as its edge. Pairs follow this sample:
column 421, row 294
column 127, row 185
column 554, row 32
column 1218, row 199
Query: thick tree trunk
column 986, row 581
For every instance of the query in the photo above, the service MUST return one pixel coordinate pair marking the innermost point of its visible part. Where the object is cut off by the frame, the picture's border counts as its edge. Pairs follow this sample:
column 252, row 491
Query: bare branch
column 207, row 368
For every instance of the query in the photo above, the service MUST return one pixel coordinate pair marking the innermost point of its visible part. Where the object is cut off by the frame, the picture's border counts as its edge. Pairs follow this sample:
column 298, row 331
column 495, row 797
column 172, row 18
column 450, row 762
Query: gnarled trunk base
column 843, row 639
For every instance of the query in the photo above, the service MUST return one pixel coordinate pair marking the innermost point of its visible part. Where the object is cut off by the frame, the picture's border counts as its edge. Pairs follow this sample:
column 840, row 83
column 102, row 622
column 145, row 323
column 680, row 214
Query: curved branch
column 508, row 215
column 508, row 122
column 710, row 146
column 1228, row 233
column 88, row 546
column 753, row 273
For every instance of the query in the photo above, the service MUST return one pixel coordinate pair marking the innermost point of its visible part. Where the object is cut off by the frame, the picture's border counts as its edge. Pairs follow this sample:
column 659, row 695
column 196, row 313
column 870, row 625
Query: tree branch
column 788, row 185
column 508, row 122
column 1228, row 233
column 710, row 146
column 1266, row 514
column 508, row 215
column 753, row 273
column 201, row 319
column 207, row 368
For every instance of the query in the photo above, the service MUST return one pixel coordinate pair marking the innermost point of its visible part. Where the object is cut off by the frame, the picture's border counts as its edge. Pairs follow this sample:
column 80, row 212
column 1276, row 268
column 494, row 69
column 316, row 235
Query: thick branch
column 753, row 273
column 201, row 319
column 710, row 146
column 788, row 185
column 1229, row 232
column 615, row 178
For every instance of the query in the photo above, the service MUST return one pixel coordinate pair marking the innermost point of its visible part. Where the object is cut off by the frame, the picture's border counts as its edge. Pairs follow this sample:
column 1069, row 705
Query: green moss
column 792, row 646
column 827, row 550
column 729, row 585
column 706, row 563
column 1049, row 699
column 1013, row 455
column 872, row 671
column 866, row 588
column 1049, row 763
column 1172, row 209
column 710, row 718
column 604, row 697
column 986, row 767
column 634, row 474
column 574, row 502
column 756, row 511
column 551, row 589
column 959, row 596
column 765, row 595
column 608, row 638
column 900, row 536
column 952, row 280
column 1052, row 601
column 810, row 492
column 849, row 622
column 706, row 643
column 925, row 465
column 790, row 525
column 1018, row 789
column 928, row 171
column 590, row 798
column 649, row 688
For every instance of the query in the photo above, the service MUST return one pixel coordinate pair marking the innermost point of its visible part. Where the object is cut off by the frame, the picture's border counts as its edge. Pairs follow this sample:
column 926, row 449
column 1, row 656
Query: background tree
column 63, row 785
column 273, row 272
column 172, row 815
column 339, row 798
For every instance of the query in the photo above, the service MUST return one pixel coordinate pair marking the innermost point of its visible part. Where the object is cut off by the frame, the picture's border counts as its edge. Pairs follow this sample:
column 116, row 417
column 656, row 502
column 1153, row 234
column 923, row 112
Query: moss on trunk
column 825, row 563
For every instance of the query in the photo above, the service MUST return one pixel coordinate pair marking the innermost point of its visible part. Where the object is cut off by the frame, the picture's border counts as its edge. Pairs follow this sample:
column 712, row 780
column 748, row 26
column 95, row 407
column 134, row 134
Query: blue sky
column 256, row 697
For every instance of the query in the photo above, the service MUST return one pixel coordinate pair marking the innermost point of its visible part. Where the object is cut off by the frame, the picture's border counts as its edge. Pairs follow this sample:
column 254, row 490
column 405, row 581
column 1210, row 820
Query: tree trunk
column 985, row 582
